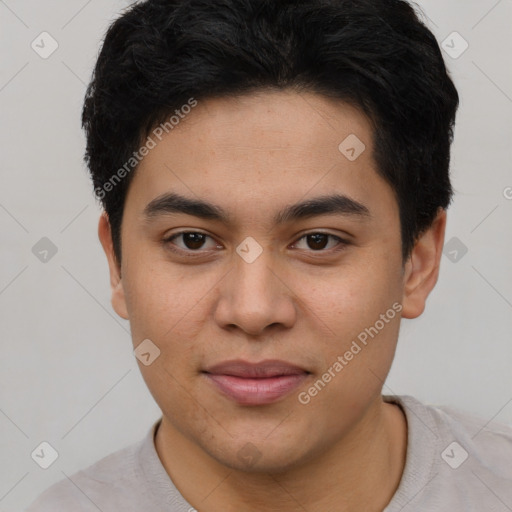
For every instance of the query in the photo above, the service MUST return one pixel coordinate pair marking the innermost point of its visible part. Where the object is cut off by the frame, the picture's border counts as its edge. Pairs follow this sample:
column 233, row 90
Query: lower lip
column 247, row 391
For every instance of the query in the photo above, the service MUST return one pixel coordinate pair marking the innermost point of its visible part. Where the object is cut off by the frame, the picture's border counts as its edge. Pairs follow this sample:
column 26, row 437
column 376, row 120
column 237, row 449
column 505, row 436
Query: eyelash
column 342, row 244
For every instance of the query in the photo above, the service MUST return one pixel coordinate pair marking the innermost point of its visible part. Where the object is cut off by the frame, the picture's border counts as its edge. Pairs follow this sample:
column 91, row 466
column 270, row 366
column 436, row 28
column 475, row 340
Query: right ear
column 116, row 283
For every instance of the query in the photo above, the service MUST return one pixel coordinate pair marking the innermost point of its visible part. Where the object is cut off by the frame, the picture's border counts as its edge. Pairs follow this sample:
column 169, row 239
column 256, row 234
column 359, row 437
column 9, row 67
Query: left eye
column 193, row 240
column 318, row 241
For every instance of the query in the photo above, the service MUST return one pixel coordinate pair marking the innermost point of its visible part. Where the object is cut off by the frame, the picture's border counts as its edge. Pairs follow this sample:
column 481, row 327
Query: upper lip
column 263, row 369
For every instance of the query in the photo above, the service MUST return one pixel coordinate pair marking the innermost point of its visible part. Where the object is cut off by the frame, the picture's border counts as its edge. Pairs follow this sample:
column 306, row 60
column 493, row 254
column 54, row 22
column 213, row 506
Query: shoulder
column 455, row 460
column 488, row 443
column 90, row 489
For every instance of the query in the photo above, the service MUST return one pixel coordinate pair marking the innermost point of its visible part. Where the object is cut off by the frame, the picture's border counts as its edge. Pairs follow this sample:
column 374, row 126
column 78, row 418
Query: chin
column 258, row 456
column 274, row 463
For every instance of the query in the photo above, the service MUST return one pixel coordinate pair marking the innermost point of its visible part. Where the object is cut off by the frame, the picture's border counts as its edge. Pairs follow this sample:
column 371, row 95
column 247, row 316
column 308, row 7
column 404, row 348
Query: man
column 275, row 178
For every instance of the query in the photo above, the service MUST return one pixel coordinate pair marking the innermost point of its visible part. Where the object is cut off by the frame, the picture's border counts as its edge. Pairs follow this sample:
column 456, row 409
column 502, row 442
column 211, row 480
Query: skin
column 253, row 155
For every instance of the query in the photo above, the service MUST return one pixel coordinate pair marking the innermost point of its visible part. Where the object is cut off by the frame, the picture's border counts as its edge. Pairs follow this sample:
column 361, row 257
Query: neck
column 360, row 472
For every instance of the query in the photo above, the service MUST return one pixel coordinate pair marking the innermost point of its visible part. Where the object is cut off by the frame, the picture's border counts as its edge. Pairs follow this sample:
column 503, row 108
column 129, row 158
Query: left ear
column 422, row 267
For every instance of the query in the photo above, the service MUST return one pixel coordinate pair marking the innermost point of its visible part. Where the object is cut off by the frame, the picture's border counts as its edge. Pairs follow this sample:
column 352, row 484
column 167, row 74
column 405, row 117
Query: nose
column 256, row 297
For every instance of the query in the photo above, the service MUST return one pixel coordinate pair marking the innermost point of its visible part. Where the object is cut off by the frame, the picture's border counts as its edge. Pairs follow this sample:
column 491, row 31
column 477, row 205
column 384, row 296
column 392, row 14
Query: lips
column 265, row 369
column 255, row 383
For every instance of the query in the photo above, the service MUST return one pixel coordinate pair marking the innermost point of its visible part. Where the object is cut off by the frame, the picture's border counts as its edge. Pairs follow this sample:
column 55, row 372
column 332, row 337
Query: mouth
column 255, row 383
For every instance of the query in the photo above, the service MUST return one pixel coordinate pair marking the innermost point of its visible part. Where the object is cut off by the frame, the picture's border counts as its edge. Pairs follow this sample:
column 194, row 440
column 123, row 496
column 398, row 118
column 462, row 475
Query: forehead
column 272, row 121
column 262, row 149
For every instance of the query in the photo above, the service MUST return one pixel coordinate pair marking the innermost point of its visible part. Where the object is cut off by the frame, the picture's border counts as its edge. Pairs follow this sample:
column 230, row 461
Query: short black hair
column 377, row 55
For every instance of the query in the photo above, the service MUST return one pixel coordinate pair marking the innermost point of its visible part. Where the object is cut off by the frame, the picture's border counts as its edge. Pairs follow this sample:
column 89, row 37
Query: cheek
column 358, row 313
column 166, row 308
column 352, row 297
column 356, row 356
column 161, row 299
column 171, row 308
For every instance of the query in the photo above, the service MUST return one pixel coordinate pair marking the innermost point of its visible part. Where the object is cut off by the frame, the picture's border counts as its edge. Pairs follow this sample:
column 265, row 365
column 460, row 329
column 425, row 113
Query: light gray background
column 67, row 371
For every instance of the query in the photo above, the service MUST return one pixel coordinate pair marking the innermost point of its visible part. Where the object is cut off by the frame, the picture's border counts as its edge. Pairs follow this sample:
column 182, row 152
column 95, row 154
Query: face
column 310, row 295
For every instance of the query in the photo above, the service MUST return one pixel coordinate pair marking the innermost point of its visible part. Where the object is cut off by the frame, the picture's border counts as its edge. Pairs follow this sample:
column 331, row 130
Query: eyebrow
column 171, row 203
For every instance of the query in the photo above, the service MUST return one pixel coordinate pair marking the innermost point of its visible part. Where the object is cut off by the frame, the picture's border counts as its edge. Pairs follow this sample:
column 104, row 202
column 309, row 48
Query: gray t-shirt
column 455, row 462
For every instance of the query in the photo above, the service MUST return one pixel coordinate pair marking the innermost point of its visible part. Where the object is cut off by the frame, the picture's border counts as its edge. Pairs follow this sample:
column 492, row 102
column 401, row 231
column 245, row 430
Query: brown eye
column 320, row 241
column 191, row 241
column 317, row 241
